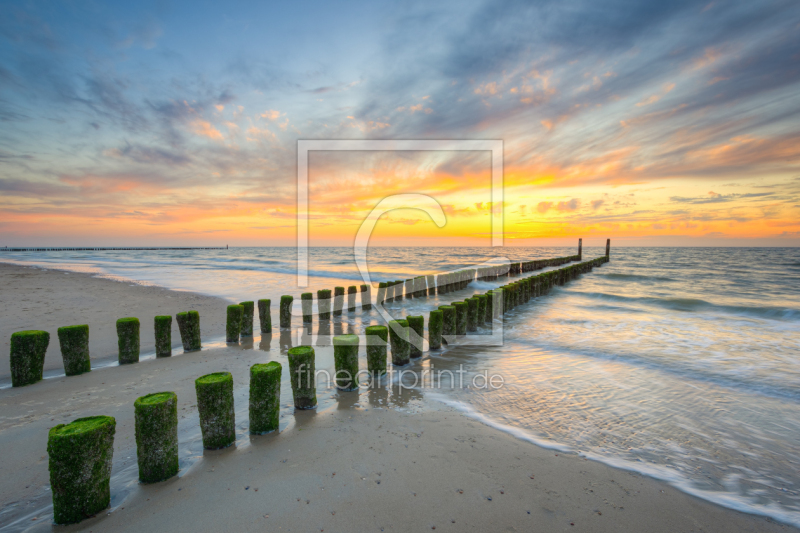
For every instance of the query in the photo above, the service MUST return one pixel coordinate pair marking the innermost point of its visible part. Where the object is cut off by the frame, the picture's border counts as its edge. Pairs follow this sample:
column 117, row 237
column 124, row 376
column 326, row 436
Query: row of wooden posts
column 28, row 348
column 80, row 453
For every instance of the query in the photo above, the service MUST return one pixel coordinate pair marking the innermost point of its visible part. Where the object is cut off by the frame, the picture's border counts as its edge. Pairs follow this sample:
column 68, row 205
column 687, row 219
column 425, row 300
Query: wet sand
column 348, row 466
column 34, row 298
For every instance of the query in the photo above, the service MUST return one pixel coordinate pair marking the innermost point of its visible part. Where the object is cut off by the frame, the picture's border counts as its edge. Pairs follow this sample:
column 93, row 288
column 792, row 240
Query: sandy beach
column 34, row 298
column 376, row 460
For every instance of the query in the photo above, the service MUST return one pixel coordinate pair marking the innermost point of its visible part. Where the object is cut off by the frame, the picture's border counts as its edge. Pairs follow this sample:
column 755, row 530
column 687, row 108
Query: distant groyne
column 104, row 248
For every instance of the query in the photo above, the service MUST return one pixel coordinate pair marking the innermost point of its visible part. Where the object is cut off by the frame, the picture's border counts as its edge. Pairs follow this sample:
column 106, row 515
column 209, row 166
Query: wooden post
column 435, row 322
column 376, row 350
column 307, row 304
column 366, row 297
column 608, row 249
column 580, row 249
column 352, row 290
column 417, row 325
column 324, row 304
column 338, row 300
column 286, row 312
column 264, row 316
column 398, row 336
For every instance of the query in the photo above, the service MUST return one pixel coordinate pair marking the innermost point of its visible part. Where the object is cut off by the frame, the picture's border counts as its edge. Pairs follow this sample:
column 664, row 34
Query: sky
column 176, row 123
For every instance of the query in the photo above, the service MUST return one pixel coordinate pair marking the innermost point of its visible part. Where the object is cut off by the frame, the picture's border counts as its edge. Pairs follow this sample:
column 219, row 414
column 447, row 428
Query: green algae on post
column 265, row 397
column 324, row 304
column 265, row 315
column 345, row 358
column 74, row 341
column 482, row 310
column 189, row 326
column 28, row 349
column 461, row 317
column 215, row 405
column 156, row 422
column 286, row 312
column 128, row 340
column 80, row 457
column 163, row 328
column 307, row 304
column 435, row 320
column 409, row 288
column 398, row 336
column 472, row 314
column 417, row 325
column 381, row 293
column 234, row 323
column 338, row 301
column 448, row 321
column 398, row 290
column 366, row 297
column 376, row 350
column 247, row 319
column 302, row 372
column 352, row 290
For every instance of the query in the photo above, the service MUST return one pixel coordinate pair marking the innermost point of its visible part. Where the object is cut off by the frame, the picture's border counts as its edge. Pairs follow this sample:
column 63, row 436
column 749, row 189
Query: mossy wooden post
column 408, row 290
column 398, row 337
column 247, row 319
column 482, row 317
column 608, row 249
column 128, row 340
column 324, row 304
column 435, row 322
column 381, row 293
column 80, row 457
column 398, row 290
column 352, row 290
column 189, row 326
column 286, row 312
column 461, row 317
column 366, row 297
column 448, row 321
column 338, row 301
column 420, row 289
column 417, row 325
column 265, row 397
column 234, row 323
column 163, row 328
column 431, row 280
column 74, row 341
column 580, row 249
column 265, row 315
column 307, row 303
column 472, row 314
column 215, row 405
column 302, row 371
column 28, row 349
column 156, row 421
column 377, row 336
column 345, row 358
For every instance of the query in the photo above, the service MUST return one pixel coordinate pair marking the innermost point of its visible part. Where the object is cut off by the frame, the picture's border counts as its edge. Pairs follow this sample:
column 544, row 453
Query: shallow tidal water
column 680, row 363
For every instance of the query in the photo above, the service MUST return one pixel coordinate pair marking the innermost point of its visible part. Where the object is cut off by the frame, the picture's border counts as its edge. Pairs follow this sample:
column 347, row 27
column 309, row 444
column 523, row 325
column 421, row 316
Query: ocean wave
column 729, row 499
column 636, row 277
column 776, row 385
column 696, row 305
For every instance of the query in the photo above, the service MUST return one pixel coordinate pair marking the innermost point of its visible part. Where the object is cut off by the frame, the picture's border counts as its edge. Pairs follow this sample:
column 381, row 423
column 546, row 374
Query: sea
column 679, row 363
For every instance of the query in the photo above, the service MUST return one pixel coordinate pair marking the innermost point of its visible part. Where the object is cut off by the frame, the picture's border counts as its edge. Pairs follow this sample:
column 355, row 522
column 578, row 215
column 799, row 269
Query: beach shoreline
column 38, row 298
column 379, row 458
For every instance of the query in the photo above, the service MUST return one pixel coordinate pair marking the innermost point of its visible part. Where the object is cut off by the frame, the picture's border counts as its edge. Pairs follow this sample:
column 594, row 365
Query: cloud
column 714, row 198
